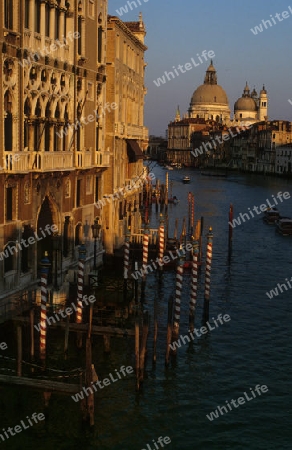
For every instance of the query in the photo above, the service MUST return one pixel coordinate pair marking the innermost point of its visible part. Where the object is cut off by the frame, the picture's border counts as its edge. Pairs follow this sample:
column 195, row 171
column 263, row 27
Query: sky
column 179, row 30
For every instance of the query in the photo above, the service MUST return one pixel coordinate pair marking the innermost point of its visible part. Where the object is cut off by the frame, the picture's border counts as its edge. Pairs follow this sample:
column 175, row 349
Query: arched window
column 78, row 234
column 8, row 122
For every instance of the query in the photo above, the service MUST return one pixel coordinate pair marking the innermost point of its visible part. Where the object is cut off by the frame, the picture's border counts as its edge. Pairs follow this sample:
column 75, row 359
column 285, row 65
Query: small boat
column 186, row 180
column 271, row 216
column 168, row 167
column 284, row 227
column 173, row 200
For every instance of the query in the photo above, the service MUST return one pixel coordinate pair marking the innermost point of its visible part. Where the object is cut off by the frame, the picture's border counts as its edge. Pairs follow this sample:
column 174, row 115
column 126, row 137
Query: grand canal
column 253, row 348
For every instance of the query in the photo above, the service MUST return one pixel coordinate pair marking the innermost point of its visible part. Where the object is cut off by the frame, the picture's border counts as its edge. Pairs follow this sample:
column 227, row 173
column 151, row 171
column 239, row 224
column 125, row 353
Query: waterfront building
column 283, row 159
column 251, row 108
column 208, row 115
column 52, row 139
column 126, row 135
column 256, row 150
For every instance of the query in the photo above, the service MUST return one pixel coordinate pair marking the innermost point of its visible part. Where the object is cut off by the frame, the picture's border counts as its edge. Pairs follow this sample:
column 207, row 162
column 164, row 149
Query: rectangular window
column 78, row 193
column 99, row 47
column 57, row 24
column 47, row 21
column 88, row 184
column 37, row 17
column 80, row 36
column 96, row 138
column 96, row 188
column 121, row 216
column 26, row 14
column 91, row 9
column 8, row 14
column 8, row 132
column 9, row 203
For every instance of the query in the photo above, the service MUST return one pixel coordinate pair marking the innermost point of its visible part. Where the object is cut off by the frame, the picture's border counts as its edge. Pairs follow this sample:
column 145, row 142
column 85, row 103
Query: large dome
column 210, row 94
column 209, row 101
column 245, row 104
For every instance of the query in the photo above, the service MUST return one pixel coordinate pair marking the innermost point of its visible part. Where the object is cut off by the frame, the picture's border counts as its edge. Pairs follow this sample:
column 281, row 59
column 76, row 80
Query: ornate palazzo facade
column 53, row 150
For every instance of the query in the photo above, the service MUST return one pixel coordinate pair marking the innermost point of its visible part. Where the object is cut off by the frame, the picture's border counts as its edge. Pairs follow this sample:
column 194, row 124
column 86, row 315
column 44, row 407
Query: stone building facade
column 52, row 139
column 257, row 149
column 126, row 134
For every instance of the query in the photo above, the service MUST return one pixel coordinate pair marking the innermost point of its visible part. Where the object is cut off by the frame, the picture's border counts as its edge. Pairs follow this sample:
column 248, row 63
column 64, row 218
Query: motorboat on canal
column 284, row 226
column 186, row 180
column 271, row 216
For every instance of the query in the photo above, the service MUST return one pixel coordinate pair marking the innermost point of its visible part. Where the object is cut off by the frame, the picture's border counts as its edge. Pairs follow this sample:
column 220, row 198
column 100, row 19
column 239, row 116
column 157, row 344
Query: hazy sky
column 178, row 30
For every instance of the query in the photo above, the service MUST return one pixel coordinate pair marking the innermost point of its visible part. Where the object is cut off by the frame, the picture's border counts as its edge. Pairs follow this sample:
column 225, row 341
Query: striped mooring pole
column 126, row 261
column 145, row 247
column 45, row 266
column 208, row 273
column 145, row 261
column 166, row 190
column 161, row 241
column 80, row 283
column 177, row 304
column 194, row 285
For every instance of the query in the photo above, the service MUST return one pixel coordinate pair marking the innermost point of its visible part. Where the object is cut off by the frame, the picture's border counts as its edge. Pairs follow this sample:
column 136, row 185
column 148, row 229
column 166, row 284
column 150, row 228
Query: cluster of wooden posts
column 193, row 237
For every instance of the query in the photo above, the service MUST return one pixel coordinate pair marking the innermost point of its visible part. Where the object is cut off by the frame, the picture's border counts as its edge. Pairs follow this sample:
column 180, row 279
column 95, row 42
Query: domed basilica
column 210, row 102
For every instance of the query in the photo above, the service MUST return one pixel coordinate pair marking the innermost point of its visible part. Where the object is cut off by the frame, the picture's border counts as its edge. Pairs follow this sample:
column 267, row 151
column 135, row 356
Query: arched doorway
column 47, row 217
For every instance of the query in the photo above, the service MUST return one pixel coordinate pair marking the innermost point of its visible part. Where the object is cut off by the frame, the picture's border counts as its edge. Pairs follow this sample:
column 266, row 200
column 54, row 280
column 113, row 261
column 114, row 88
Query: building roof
column 245, row 104
column 210, row 92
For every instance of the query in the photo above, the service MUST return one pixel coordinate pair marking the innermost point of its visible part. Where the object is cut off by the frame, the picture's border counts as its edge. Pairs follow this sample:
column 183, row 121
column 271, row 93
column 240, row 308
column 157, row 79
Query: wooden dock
column 42, row 385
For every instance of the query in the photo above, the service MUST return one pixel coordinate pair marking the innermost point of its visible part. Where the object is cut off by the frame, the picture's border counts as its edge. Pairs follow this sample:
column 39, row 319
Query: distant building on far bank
column 283, row 159
column 209, row 112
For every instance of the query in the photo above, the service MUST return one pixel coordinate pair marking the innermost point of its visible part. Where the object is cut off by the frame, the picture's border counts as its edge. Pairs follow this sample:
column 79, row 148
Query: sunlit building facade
column 52, row 139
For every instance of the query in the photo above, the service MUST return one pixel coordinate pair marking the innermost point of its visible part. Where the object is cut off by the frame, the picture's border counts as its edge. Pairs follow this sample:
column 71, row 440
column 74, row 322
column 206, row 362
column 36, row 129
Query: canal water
column 253, row 348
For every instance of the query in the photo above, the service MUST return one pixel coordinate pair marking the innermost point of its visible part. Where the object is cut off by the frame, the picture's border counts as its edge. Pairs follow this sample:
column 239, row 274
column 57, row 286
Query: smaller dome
column 245, row 104
column 263, row 91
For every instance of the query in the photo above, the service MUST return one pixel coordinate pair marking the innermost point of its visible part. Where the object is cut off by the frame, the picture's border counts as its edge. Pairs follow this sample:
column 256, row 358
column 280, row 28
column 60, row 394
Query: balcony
column 28, row 161
column 137, row 132
column 55, row 161
column 83, row 159
column 102, row 159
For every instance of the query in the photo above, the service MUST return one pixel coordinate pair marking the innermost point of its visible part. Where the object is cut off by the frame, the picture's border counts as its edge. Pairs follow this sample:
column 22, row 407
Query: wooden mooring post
column 208, row 274
column 31, row 317
column 155, row 331
column 194, row 285
column 19, row 350
column 177, row 306
column 169, row 329
column 80, row 283
column 137, row 351
column 143, row 347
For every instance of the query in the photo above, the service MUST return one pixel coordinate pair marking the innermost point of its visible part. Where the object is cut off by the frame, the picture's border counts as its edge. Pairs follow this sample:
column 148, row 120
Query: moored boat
column 173, row 200
column 284, row 227
column 271, row 215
